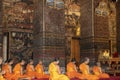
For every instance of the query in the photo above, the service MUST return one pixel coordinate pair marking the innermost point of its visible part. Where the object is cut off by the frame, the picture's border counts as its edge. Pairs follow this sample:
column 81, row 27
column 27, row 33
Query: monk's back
column 17, row 68
column 70, row 67
column 39, row 68
column 28, row 68
column 83, row 67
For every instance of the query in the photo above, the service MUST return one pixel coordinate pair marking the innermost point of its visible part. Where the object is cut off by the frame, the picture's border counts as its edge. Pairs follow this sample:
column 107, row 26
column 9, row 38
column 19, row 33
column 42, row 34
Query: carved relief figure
column 21, row 44
column 18, row 21
column 102, row 9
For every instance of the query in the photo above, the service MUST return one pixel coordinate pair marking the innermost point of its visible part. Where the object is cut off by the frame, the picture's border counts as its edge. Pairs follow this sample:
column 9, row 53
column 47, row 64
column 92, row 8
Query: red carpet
column 111, row 78
column 48, row 79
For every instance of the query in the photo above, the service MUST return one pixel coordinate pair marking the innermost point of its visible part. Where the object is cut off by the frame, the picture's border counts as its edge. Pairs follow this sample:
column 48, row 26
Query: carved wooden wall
column 17, row 29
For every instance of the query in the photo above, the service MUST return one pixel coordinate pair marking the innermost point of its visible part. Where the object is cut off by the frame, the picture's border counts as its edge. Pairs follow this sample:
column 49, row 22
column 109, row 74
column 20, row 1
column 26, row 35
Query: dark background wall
column 118, row 25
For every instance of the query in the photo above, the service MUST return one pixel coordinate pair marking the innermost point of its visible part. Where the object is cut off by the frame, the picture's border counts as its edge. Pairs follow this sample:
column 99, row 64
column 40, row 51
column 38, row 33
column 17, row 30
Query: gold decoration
column 56, row 4
column 102, row 9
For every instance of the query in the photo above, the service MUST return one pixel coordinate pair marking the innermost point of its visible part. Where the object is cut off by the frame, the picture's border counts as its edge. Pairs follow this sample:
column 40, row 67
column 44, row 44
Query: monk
column 8, row 69
column 98, row 71
column 18, row 71
column 85, row 70
column 55, row 72
column 30, row 71
column 1, row 72
column 40, row 71
column 4, row 64
column 72, row 71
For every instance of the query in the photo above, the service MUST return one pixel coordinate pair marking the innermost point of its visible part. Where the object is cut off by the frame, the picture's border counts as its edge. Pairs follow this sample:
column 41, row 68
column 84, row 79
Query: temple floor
column 111, row 78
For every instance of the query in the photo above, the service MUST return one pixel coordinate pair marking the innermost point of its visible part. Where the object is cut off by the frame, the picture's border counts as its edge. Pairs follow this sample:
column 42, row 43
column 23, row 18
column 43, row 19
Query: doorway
column 75, row 49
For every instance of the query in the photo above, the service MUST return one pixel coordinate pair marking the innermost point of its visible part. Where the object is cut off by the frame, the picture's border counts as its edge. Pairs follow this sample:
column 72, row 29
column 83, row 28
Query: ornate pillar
column 49, row 33
column 94, row 28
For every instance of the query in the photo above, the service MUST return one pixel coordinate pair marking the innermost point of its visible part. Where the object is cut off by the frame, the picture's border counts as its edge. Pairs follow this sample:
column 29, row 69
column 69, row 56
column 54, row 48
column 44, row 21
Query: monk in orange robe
column 8, row 69
column 98, row 71
column 55, row 72
column 85, row 70
column 72, row 70
column 30, row 71
column 40, row 71
column 18, row 71
column 1, row 72
column 4, row 64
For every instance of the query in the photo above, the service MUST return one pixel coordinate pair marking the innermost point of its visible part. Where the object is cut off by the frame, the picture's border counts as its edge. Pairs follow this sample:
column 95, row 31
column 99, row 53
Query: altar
column 113, row 65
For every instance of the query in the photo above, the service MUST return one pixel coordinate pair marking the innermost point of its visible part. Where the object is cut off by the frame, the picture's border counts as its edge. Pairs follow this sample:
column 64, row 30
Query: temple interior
column 48, row 29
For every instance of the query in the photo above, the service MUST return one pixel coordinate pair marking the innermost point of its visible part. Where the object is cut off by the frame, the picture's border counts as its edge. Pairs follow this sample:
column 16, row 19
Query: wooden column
column 49, row 33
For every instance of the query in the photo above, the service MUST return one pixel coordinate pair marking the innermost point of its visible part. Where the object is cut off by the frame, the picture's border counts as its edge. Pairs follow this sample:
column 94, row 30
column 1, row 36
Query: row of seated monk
column 31, row 72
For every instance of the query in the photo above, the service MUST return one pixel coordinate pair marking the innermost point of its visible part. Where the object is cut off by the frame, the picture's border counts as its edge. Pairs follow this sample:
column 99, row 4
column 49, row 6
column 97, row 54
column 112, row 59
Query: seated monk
column 72, row 70
column 4, row 64
column 1, row 72
column 30, row 71
column 18, row 71
column 98, row 71
column 55, row 72
column 40, row 71
column 85, row 70
column 7, row 67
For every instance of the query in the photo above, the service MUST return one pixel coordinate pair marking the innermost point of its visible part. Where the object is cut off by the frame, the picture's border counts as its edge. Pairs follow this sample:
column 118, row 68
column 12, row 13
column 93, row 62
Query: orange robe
column 97, row 71
column 30, row 71
column 55, row 74
column 40, row 72
column 8, row 73
column 1, row 77
column 72, row 71
column 85, row 72
column 17, row 72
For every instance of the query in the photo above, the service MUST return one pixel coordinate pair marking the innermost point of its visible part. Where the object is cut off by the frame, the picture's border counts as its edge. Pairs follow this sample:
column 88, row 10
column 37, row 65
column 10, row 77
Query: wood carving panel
column 101, row 27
